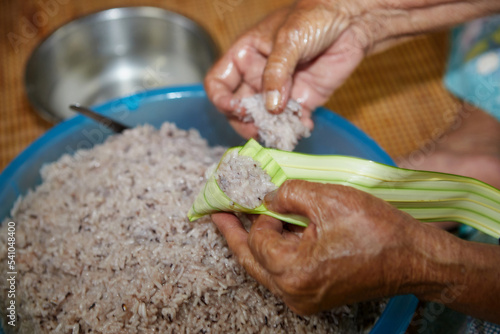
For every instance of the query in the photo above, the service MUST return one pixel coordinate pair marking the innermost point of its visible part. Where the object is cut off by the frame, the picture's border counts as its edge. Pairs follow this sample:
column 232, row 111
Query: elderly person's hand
column 303, row 52
column 308, row 50
column 356, row 248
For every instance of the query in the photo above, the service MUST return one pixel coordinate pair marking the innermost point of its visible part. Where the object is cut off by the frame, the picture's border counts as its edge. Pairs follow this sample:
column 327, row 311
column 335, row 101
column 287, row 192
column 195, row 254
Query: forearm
column 380, row 24
column 462, row 275
column 410, row 17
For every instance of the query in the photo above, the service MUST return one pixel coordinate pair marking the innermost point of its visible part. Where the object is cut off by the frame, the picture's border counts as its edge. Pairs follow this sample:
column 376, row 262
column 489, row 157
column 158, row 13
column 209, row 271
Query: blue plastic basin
column 189, row 107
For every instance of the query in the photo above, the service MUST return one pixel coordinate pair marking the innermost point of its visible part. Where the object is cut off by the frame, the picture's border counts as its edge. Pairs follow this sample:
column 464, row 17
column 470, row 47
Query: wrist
column 430, row 264
column 462, row 275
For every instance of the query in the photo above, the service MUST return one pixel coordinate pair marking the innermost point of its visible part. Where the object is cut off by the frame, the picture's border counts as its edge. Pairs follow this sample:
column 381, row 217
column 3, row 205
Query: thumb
column 316, row 201
column 295, row 197
column 307, row 32
column 277, row 76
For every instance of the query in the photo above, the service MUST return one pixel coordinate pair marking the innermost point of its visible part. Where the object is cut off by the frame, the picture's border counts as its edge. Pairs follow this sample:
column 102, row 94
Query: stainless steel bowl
column 114, row 53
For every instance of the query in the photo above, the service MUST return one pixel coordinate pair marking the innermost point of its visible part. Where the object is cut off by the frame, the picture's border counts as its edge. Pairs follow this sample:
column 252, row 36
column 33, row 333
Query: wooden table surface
column 396, row 96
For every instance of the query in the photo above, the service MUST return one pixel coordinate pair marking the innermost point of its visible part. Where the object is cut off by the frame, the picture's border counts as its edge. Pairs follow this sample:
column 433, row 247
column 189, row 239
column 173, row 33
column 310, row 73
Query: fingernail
column 270, row 197
column 272, row 100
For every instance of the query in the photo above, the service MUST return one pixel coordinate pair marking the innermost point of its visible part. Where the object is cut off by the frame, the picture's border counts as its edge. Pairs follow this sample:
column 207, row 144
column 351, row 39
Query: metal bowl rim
column 102, row 16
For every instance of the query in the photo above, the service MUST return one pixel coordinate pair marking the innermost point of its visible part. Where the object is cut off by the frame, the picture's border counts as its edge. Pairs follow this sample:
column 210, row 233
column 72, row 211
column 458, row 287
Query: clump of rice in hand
column 280, row 131
column 243, row 180
column 104, row 246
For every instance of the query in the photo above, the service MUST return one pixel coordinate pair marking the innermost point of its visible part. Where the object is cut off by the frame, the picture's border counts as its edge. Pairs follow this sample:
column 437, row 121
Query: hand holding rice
column 281, row 131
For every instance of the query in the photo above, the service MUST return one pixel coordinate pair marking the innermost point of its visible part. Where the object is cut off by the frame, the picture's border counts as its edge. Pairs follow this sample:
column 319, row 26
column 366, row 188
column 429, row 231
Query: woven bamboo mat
column 396, row 97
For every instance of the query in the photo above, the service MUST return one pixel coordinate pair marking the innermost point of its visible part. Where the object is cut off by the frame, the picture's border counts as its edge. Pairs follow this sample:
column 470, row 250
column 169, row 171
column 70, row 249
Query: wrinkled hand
column 357, row 247
column 303, row 52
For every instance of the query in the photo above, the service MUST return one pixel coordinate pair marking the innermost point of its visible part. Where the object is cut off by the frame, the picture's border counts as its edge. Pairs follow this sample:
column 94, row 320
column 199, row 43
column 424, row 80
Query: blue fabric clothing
column 473, row 72
column 476, row 326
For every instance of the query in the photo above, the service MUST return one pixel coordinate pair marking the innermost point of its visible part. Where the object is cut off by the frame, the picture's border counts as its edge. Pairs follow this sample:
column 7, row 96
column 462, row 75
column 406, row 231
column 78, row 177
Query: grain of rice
column 243, row 180
column 281, row 131
column 89, row 239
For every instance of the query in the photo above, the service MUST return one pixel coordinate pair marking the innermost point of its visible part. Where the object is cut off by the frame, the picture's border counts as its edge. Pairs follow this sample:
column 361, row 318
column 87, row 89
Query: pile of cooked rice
column 104, row 246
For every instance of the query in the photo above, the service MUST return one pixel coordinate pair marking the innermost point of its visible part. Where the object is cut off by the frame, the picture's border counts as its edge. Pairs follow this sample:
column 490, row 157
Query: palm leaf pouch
column 246, row 173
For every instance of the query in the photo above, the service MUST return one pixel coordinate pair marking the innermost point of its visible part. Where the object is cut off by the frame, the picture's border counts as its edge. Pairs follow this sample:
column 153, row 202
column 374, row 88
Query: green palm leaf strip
column 427, row 196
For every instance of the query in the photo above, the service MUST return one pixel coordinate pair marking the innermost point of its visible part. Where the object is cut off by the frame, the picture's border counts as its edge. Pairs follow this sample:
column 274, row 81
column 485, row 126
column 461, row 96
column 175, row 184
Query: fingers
column 237, row 240
column 292, row 236
column 306, row 119
column 271, row 249
column 291, row 42
column 234, row 232
column 247, row 130
column 319, row 202
column 241, row 66
column 221, row 81
column 308, row 31
column 295, row 196
column 277, row 76
column 243, row 63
